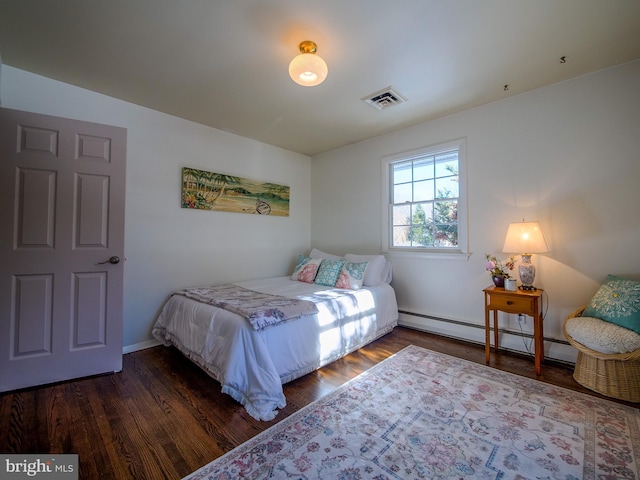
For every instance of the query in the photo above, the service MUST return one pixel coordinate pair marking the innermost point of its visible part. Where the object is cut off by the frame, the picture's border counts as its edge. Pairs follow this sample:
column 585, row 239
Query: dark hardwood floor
column 162, row 417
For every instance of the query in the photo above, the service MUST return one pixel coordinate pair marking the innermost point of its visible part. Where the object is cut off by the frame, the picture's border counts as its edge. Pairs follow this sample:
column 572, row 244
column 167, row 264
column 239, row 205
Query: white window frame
column 462, row 250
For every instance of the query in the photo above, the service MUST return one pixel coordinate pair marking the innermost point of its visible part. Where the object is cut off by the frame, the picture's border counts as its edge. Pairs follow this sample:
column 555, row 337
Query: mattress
column 251, row 365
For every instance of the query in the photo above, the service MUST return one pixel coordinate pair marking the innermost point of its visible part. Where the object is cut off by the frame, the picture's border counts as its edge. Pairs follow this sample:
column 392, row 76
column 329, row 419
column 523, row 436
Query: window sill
column 430, row 254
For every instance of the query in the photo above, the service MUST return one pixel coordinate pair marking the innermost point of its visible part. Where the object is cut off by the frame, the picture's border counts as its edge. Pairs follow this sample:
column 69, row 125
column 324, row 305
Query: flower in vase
column 499, row 268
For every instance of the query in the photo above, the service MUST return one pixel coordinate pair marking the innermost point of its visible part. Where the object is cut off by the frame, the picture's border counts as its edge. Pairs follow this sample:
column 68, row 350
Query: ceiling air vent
column 387, row 97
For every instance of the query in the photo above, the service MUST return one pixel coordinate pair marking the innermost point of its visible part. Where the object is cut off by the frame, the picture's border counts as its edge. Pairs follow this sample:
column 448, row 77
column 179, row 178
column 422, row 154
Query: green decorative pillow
column 617, row 301
column 328, row 272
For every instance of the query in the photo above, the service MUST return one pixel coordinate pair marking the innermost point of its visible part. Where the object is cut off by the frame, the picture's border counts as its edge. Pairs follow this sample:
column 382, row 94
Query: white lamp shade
column 308, row 70
column 525, row 237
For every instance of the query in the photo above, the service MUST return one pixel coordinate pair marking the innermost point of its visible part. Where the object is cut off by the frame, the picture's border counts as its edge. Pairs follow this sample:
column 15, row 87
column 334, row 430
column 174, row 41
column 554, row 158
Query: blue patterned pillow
column 617, row 301
column 328, row 272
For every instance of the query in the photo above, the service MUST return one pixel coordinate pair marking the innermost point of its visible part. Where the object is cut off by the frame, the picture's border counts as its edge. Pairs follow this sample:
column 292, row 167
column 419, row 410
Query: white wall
column 567, row 155
column 167, row 247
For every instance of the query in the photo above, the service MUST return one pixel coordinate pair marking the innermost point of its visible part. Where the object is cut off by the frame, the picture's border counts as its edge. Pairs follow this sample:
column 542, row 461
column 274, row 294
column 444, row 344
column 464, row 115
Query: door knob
column 113, row 260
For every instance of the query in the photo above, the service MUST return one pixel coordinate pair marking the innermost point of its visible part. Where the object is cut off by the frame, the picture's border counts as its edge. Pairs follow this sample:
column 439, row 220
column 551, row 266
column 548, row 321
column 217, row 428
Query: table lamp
column 525, row 237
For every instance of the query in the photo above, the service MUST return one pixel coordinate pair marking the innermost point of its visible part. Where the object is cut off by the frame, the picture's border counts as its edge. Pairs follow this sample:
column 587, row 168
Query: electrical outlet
column 522, row 319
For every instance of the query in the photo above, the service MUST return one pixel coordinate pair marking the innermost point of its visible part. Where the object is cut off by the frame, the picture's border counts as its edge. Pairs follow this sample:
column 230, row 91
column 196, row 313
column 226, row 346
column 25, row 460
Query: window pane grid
column 429, row 186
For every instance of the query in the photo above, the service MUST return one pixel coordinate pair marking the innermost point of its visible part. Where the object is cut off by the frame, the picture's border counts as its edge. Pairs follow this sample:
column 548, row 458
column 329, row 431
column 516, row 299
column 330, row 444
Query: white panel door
column 62, row 187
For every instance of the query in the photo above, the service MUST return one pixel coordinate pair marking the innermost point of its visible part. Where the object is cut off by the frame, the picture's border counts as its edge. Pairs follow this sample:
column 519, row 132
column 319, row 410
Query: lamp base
column 527, row 272
column 527, row 287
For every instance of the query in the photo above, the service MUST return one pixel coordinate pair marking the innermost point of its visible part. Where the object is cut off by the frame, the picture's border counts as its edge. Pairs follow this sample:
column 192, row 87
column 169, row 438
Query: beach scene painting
column 226, row 193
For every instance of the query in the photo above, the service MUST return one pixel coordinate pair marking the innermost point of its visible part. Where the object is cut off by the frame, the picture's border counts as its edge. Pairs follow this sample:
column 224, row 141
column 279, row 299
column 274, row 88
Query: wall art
column 226, row 193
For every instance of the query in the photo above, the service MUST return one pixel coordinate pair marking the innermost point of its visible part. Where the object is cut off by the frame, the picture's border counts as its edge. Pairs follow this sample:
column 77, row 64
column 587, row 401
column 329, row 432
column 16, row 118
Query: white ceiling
column 224, row 63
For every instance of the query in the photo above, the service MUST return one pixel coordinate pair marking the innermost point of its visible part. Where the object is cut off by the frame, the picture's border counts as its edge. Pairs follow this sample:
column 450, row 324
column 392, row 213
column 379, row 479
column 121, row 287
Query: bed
column 253, row 362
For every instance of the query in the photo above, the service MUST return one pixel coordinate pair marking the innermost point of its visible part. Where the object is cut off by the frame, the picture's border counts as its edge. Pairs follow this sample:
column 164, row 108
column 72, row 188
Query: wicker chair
column 614, row 375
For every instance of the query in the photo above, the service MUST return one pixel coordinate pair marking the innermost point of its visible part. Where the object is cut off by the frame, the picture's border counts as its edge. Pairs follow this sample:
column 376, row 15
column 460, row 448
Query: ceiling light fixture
column 308, row 69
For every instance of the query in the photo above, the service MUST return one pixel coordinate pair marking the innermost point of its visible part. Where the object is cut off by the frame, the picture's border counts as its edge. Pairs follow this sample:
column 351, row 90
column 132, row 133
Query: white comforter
column 252, row 365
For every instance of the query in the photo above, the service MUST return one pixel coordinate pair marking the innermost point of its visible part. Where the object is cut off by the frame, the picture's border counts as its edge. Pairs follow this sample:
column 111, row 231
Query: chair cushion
column 617, row 301
column 602, row 336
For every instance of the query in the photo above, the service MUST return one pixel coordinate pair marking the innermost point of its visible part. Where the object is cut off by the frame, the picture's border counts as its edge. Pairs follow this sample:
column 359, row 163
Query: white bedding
column 252, row 365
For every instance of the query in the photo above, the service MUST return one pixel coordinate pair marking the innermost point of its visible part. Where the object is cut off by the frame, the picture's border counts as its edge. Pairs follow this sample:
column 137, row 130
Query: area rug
column 424, row 415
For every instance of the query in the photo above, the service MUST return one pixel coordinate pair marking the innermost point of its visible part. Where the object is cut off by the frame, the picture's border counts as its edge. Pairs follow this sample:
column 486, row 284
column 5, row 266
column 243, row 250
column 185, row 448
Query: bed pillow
column 328, row 272
column 306, row 269
column 375, row 273
column 388, row 272
column 315, row 253
column 617, row 301
column 352, row 275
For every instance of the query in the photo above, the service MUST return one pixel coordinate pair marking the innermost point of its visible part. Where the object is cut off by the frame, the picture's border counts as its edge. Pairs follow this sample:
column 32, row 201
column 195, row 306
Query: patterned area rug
column 421, row 414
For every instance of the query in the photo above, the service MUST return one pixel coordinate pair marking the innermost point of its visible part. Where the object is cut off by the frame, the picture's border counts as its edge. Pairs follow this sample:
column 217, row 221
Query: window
column 426, row 200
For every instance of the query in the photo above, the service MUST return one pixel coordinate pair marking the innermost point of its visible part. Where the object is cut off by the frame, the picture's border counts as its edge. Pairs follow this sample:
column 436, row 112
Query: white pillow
column 315, row 253
column 306, row 269
column 375, row 274
column 388, row 272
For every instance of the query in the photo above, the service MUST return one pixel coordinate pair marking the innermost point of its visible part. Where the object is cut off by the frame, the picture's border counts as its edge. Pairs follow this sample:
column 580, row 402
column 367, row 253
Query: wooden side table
column 526, row 302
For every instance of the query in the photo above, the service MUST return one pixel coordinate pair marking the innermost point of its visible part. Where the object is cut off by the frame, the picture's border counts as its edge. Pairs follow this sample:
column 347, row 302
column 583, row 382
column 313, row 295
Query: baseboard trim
column 140, row 346
column 561, row 350
column 555, row 349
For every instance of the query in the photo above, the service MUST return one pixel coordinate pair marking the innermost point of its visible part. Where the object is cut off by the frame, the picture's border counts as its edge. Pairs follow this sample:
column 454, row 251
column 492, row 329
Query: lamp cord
column 524, row 342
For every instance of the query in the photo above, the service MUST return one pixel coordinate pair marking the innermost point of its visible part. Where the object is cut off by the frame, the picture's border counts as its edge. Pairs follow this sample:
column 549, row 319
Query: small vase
column 498, row 280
